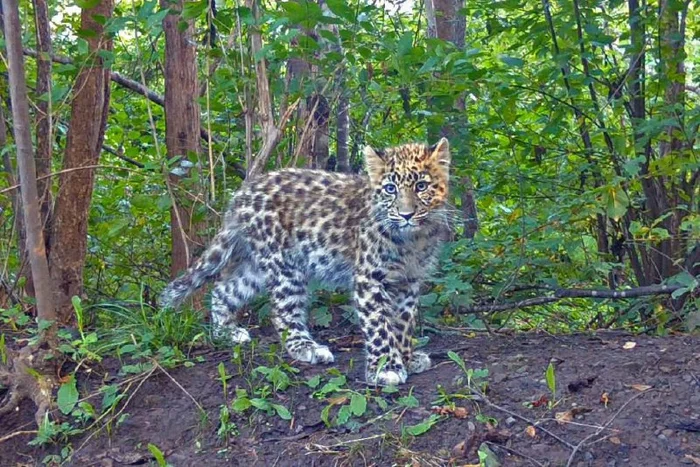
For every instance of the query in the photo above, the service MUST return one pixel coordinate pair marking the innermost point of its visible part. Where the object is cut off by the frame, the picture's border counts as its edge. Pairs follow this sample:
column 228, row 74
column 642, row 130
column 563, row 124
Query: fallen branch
column 560, row 294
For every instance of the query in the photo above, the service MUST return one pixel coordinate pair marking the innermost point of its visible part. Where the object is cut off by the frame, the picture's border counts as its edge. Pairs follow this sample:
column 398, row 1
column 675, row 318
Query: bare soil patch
column 618, row 404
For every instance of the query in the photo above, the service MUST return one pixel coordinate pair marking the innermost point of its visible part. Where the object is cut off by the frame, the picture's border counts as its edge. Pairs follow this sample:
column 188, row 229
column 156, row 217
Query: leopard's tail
column 225, row 247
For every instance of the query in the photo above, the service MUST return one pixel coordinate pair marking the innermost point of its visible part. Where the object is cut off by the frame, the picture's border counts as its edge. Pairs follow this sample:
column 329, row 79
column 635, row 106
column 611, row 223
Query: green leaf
column 314, row 382
column 409, row 401
column 422, row 427
column 194, row 9
column 87, row 4
column 428, row 299
column 344, row 415
column 325, row 413
column 282, row 412
column 88, row 409
column 241, row 404
column 512, row 61
column 67, row 395
column 358, row 404
column 405, row 44
column 260, row 403
column 616, row 202
column 157, row 454
column 551, row 379
column 322, row 317
column 458, row 360
column 340, row 8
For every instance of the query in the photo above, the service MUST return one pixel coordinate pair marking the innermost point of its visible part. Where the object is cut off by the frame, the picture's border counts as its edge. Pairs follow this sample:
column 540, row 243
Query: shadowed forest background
column 575, row 180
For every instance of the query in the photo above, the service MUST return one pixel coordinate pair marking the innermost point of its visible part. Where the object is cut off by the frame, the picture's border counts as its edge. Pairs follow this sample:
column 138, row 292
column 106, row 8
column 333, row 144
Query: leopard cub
column 377, row 233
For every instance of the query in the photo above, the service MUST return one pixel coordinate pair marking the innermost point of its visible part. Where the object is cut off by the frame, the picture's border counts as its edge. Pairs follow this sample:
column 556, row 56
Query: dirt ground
column 617, row 403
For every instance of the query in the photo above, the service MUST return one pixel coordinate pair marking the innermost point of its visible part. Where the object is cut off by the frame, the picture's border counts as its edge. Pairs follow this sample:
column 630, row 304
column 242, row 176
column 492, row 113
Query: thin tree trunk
column 182, row 123
column 636, row 81
column 299, row 72
column 320, row 152
column 44, row 125
column 342, row 129
column 25, row 162
column 471, row 218
column 28, row 373
column 445, row 22
column 15, row 199
column 83, row 146
column 271, row 132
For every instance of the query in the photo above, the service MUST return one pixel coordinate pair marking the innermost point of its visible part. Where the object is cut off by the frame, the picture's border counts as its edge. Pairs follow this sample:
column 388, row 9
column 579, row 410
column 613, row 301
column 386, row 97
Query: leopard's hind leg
column 233, row 290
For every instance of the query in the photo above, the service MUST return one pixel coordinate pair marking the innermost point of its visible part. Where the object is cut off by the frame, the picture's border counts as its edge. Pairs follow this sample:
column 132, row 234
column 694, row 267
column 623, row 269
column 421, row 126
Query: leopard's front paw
column 419, row 362
column 387, row 376
column 310, row 352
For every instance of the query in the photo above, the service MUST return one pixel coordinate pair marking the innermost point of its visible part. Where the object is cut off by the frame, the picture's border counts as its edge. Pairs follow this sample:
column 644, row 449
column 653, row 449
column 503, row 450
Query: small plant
column 476, row 379
column 551, row 379
column 227, row 427
column 261, row 402
column 158, row 455
column 351, row 403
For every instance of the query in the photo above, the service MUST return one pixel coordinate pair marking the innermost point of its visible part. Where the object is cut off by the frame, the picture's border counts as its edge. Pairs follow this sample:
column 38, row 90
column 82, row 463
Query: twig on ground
column 305, row 434
column 486, row 400
column 603, row 427
column 17, row 433
column 328, row 448
column 157, row 365
column 516, row 453
column 115, row 416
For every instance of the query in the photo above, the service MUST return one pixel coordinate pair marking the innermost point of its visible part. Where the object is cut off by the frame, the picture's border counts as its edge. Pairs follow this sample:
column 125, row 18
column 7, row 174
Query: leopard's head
column 410, row 182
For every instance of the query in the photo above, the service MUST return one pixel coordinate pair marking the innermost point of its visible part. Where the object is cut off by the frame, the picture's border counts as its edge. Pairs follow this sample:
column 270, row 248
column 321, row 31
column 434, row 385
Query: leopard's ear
column 374, row 162
column 440, row 153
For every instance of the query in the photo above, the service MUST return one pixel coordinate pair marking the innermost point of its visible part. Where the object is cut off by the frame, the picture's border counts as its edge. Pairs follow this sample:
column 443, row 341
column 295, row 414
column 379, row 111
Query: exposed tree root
column 29, row 374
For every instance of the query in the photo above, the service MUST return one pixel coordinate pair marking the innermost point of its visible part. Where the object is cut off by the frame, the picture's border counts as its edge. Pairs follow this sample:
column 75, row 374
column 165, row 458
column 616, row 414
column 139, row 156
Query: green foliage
column 551, row 380
column 475, row 379
column 350, row 403
column 67, row 396
column 158, row 455
column 422, row 427
column 540, row 191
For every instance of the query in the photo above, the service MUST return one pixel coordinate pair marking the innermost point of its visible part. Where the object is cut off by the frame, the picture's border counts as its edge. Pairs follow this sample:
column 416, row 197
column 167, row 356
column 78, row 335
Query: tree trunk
column 319, row 130
column 299, row 72
column 342, row 130
column 182, row 122
column 16, row 201
column 44, row 137
column 84, row 142
column 271, row 132
column 445, row 22
column 28, row 373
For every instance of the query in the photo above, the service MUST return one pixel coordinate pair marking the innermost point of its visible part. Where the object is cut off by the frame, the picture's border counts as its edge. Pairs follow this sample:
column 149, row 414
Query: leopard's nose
column 407, row 215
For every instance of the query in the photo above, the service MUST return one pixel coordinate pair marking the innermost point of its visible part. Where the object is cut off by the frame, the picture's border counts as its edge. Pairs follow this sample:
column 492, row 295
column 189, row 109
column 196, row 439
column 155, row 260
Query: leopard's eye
column 421, row 186
column 390, row 188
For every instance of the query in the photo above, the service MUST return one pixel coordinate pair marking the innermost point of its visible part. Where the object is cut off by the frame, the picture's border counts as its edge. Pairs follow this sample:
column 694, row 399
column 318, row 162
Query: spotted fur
column 377, row 234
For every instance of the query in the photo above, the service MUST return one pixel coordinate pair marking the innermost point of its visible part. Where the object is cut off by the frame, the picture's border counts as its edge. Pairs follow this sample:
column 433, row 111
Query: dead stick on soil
column 516, row 453
column 525, row 419
column 345, row 443
column 605, row 425
column 201, row 409
column 126, row 404
column 17, row 433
